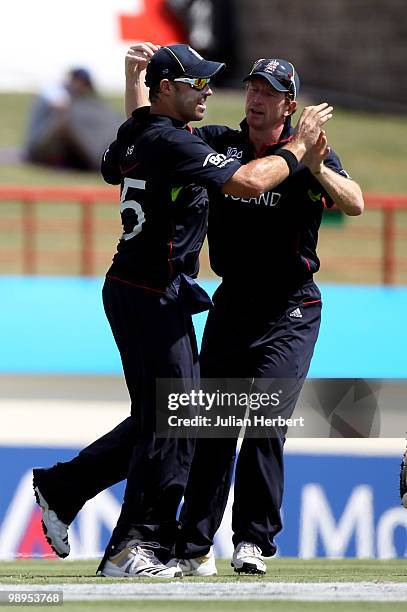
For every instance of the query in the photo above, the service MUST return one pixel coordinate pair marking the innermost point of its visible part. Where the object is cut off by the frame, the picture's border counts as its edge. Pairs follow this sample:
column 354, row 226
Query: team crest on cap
column 271, row 66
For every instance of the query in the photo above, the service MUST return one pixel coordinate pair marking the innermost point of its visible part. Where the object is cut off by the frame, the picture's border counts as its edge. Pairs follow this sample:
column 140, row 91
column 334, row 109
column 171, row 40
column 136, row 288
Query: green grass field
column 218, row 606
column 178, row 605
column 372, row 147
column 284, row 570
column 279, row 570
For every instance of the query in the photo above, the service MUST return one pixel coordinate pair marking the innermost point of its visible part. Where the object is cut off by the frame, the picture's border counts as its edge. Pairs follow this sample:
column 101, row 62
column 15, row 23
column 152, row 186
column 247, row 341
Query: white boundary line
column 317, row 591
column 372, row 447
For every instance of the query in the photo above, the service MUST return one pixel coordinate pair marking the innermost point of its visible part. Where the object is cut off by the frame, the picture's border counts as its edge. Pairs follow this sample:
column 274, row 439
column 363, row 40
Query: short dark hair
column 154, row 92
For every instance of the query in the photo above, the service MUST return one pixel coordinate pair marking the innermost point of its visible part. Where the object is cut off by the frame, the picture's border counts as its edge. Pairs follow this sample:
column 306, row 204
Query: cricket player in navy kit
column 149, row 296
column 265, row 319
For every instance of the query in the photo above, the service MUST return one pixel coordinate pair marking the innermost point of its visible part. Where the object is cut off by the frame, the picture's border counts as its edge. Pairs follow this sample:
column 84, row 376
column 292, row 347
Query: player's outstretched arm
column 260, row 175
column 345, row 192
column 137, row 58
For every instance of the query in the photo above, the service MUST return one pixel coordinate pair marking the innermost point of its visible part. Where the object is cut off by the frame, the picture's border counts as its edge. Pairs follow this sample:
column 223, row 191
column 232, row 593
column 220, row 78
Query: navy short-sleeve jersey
column 164, row 171
column 269, row 240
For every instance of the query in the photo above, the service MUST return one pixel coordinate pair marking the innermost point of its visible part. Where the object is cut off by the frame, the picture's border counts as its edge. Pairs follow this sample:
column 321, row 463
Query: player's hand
column 310, row 123
column 137, row 58
column 315, row 156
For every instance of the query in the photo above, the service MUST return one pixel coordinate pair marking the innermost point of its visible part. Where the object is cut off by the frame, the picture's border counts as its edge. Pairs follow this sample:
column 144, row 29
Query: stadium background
column 60, row 383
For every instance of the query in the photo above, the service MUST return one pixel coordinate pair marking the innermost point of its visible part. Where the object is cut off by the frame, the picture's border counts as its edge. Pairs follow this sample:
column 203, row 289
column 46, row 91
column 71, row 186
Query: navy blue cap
column 176, row 61
column 279, row 73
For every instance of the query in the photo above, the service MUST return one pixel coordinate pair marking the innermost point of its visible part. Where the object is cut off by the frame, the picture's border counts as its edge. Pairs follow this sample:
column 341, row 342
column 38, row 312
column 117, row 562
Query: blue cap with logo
column 174, row 61
column 279, row 73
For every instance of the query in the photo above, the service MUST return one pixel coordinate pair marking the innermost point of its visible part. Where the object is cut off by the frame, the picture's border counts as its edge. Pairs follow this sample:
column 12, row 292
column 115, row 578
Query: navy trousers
column 247, row 337
column 262, row 339
column 155, row 336
column 154, row 333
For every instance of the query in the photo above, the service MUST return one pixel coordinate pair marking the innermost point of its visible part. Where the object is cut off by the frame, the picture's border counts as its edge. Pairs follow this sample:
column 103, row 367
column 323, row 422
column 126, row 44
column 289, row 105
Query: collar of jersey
column 284, row 137
column 143, row 114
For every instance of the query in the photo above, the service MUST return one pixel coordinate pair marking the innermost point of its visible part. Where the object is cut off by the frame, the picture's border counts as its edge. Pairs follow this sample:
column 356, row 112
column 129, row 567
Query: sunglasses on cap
column 286, row 80
column 198, row 84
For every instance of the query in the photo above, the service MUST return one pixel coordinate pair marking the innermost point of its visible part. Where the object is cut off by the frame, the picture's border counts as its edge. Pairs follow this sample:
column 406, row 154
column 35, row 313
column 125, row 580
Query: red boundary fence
column 389, row 204
column 87, row 197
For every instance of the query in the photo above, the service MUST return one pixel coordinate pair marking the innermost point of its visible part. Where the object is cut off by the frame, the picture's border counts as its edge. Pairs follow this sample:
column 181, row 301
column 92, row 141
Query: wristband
column 289, row 158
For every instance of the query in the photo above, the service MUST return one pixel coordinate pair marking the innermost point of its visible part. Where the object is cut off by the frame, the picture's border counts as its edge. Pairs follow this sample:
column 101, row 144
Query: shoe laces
column 248, row 548
column 145, row 550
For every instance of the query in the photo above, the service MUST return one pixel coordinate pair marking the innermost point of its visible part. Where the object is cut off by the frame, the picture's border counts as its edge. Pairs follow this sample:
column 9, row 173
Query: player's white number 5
column 136, row 206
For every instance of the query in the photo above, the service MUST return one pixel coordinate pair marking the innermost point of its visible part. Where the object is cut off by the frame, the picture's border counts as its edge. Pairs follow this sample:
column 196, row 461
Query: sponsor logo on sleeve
column 218, row 160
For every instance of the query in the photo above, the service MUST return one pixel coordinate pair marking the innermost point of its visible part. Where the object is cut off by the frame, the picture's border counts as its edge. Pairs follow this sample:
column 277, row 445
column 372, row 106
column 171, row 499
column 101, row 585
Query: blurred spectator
column 210, row 26
column 70, row 125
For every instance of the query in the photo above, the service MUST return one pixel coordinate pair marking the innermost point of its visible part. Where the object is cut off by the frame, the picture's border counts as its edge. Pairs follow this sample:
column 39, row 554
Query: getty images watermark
column 221, row 399
column 316, row 408
column 224, row 409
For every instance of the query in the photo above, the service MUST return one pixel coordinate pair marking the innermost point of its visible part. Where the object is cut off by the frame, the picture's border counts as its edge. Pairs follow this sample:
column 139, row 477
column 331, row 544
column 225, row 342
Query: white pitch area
column 311, row 591
column 37, row 422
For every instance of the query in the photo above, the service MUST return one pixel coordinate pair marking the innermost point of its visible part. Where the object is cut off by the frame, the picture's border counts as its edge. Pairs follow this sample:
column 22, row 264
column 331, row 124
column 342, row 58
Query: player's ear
column 165, row 86
column 291, row 107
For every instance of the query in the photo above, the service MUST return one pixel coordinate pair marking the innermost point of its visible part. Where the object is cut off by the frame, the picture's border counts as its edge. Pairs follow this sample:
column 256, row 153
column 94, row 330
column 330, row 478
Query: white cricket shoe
column 247, row 559
column 200, row 566
column 55, row 531
column 137, row 559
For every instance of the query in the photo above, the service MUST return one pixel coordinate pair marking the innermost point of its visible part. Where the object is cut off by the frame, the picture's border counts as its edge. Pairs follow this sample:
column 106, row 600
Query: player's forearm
column 135, row 95
column 257, row 176
column 345, row 192
column 297, row 147
column 261, row 175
